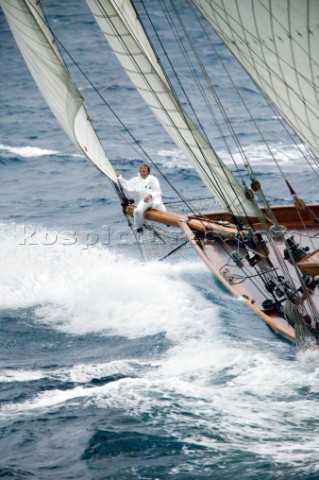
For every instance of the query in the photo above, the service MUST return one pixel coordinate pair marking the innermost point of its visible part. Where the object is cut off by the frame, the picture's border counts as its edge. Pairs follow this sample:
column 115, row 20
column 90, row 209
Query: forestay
column 277, row 42
column 124, row 32
column 37, row 45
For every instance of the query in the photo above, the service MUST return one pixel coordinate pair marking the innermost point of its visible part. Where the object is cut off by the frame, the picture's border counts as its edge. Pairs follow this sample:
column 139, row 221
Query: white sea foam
column 8, row 376
column 28, row 151
column 80, row 290
column 256, row 153
column 259, row 155
column 207, row 389
column 83, row 373
column 80, row 373
column 258, row 407
column 173, row 159
column 48, row 400
column 249, row 410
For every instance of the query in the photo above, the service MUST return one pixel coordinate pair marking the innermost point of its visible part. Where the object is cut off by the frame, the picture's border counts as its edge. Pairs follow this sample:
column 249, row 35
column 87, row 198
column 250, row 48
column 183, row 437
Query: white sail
column 37, row 45
column 124, row 32
column 277, row 42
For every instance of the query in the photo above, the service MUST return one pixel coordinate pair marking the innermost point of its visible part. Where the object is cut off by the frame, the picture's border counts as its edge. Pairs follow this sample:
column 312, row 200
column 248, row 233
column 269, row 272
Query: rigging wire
column 261, row 275
column 217, row 185
column 269, row 211
column 219, row 104
column 258, row 213
column 192, row 69
column 122, row 123
column 97, row 91
column 284, row 125
column 217, row 100
column 158, row 98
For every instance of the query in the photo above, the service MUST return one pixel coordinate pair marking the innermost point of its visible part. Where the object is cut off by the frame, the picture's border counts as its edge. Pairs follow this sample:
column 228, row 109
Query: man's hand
column 147, row 198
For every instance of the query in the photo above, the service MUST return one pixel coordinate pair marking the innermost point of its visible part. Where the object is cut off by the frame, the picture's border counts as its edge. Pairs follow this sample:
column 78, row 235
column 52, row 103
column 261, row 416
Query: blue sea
column 116, row 368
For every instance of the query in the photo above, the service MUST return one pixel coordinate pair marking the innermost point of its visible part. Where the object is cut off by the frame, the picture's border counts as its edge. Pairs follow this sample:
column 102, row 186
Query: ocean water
column 113, row 368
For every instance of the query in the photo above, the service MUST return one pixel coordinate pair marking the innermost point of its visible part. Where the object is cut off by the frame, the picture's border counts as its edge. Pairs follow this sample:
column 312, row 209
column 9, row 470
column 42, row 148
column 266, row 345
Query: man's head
column 144, row 170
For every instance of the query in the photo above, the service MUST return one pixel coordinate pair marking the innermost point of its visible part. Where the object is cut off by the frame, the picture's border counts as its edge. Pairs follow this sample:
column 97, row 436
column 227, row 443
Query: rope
column 178, row 42
column 294, row 317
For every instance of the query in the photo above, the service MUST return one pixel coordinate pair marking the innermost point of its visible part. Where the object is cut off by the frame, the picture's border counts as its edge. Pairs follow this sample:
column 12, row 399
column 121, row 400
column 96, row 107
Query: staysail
column 38, row 47
column 125, row 33
column 277, row 42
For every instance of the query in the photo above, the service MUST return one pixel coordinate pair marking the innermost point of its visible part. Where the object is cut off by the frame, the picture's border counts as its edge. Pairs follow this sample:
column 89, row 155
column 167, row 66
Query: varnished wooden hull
column 215, row 257
column 215, row 240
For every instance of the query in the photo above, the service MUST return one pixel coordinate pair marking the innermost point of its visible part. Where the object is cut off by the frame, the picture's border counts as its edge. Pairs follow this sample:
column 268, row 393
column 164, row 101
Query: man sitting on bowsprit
column 150, row 195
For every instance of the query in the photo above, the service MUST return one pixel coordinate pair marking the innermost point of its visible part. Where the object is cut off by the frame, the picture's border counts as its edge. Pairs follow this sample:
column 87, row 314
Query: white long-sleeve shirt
column 143, row 186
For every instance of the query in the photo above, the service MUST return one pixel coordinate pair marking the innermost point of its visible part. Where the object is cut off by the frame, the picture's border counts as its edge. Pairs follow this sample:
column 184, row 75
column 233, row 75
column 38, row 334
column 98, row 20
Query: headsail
column 37, row 45
column 277, row 42
column 125, row 34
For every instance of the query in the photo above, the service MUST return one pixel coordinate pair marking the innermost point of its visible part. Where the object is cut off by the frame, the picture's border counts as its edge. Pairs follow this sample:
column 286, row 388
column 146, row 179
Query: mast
column 40, row 52
column 125, row 33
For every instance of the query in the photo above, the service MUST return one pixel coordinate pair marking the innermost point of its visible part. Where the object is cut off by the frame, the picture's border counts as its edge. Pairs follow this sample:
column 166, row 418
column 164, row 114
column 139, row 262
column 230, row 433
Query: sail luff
column 277, row 42
column 38, row 48
column 126, row 36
